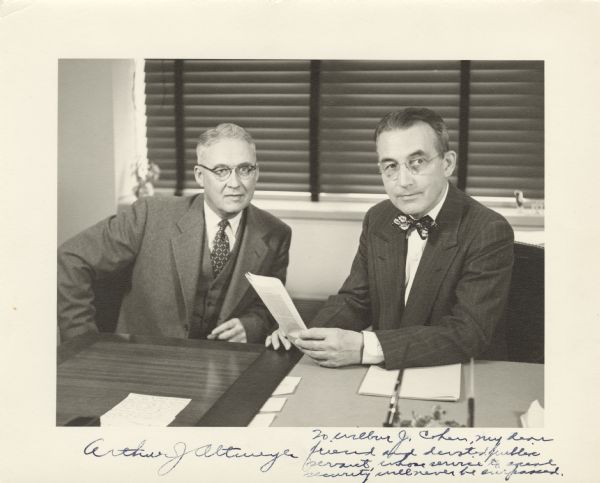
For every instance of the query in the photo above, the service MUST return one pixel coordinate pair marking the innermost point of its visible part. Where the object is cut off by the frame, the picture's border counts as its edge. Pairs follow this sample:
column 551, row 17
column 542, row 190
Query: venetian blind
column 355, row 95
column 506, row 128
column 269, row 98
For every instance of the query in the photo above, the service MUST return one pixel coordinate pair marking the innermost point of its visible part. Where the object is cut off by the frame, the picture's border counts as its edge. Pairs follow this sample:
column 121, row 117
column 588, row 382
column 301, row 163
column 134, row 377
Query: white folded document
column 534, row 417
column 436, row 383
column 274, row 295
column 144, row 410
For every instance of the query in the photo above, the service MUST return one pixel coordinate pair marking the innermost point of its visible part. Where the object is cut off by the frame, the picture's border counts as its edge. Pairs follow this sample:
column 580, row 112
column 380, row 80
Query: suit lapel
column 439, row 252
column 389, row 251
column 252, row 253
column 187, row 251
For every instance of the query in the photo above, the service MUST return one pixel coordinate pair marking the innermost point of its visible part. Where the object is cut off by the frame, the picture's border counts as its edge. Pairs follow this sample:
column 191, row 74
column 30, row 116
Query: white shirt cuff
column 372, row 351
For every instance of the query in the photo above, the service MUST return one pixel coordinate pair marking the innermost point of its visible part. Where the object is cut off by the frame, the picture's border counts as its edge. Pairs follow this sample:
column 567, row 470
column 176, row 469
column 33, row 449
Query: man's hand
column 331, row 347
column 231, row 331
column 277, row 340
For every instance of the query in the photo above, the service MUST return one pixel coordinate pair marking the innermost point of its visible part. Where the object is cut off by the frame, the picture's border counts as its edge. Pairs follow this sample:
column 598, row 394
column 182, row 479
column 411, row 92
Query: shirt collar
column 212, row 219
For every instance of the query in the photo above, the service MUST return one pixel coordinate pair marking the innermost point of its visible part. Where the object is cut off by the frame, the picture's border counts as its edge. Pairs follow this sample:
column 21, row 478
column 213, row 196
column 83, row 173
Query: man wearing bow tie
column 187, row 256
column 433, row 267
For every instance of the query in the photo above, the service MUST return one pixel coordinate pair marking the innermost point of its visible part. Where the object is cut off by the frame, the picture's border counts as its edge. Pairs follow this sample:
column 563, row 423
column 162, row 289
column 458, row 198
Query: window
column 313, row 121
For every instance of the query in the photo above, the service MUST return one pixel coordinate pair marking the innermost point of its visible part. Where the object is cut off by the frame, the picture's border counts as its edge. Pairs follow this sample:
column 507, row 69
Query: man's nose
column 234, row 180
column 405, row 178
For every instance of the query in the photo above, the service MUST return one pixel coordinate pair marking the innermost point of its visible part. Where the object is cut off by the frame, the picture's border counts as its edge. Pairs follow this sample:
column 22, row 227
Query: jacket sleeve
column 257, row 320
column 479, row 301
column 350, row 308
column 99, row 251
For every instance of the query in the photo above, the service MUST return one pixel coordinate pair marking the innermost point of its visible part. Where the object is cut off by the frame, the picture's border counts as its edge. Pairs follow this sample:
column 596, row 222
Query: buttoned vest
column 211, row 290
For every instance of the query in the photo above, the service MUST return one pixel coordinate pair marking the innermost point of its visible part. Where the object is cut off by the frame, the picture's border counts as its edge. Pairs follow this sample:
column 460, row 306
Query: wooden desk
column 329, row 397
column 97, row 371
column 228, row 383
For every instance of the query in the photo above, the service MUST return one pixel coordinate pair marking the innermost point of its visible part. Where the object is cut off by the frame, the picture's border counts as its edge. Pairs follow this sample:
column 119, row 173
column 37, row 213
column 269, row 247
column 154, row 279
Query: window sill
column 354, row 206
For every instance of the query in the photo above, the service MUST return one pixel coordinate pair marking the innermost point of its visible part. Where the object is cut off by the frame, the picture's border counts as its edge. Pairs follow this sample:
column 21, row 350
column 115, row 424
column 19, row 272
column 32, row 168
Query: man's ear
column 199, row 176
column 449, row 161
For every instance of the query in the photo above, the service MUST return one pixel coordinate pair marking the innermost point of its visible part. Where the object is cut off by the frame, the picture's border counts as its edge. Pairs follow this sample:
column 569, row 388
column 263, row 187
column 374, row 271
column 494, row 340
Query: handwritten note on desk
column 438, row 383
column 144, row 410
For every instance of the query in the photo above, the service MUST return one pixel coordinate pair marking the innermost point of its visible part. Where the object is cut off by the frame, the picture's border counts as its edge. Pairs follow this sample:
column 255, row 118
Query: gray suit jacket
column 458, row 295
column 161, row 240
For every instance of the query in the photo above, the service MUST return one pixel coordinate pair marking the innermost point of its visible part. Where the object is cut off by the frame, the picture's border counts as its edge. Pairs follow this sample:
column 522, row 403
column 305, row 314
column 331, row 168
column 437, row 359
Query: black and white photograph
column 284, row 152
column 270, row 241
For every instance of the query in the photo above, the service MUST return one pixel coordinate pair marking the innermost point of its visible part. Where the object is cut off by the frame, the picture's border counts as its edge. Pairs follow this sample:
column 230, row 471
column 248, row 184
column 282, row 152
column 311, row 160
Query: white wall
column 320, row 255
column 96, row 140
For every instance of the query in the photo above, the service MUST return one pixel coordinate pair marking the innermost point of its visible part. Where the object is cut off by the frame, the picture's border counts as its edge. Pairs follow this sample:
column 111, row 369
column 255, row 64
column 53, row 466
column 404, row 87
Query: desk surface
column 228, row 383
column 97, row 371
column 329, row 397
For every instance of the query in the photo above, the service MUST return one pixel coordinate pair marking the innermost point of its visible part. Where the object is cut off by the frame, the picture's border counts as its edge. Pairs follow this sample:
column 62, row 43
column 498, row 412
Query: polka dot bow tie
column 423, row 225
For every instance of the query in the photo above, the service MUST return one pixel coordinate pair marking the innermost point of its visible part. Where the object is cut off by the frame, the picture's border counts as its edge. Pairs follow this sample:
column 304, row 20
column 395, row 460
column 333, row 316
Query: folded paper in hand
column 274, row 295
column 437, row 383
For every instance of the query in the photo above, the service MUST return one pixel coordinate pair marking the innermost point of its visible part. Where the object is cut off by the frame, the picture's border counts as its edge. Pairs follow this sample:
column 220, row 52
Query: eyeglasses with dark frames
column 222, row 173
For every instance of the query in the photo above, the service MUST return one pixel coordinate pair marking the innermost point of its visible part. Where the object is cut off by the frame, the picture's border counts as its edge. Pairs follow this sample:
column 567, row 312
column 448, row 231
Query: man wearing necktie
column 433, row 267
column 187, row 255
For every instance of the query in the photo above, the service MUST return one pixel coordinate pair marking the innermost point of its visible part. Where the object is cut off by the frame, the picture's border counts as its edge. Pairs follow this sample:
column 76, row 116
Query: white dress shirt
column 372, row 351
column 212, row 220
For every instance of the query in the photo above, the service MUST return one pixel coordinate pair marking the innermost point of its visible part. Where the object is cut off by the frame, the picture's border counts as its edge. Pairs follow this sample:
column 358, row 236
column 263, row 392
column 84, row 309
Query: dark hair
column 412, row 115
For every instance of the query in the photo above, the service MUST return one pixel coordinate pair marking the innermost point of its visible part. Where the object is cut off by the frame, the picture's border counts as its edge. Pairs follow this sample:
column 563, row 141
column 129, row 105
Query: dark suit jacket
column 458, row 295
column 161, row 240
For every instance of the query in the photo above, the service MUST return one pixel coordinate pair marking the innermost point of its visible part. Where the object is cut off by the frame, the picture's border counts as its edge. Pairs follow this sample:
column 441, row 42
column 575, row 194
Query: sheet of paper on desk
column 274, row 295
column 262, row 420
column 437, row 383
column 273, row 405
column 287, row 386
column 144, row 410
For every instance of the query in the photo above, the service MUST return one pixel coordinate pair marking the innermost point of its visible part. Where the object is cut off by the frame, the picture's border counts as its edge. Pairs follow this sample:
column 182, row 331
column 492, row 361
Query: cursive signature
column 171, row 459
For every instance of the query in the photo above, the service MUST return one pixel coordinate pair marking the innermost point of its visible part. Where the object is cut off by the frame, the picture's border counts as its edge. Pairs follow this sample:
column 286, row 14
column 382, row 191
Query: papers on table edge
column 287, row 386
column 273, row 405
column 276, row 298
column 437, row 383
column 144, row 410
column 262, row 420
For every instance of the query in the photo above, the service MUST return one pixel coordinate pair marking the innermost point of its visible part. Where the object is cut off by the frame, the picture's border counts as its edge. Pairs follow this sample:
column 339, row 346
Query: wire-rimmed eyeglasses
column 222, row 173
column 416, row 165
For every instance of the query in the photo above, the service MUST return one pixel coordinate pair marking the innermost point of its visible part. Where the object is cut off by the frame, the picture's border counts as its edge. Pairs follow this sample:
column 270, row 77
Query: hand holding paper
column 274, row 295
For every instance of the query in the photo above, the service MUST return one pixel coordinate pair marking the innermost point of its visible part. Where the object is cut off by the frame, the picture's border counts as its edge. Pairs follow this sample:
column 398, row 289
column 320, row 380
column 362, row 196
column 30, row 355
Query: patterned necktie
column 220, row 251
column 423, row 225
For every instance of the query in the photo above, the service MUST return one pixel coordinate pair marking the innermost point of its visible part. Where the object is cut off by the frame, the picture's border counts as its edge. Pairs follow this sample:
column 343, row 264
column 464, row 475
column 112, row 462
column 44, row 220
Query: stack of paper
column 143, row 410
column 278, row 301
column 437, row 383
column 534, row 417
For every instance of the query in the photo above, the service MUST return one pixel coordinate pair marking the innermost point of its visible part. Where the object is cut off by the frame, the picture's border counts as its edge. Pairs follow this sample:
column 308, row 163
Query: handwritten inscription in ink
column 427, row 452
column 363, row 455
